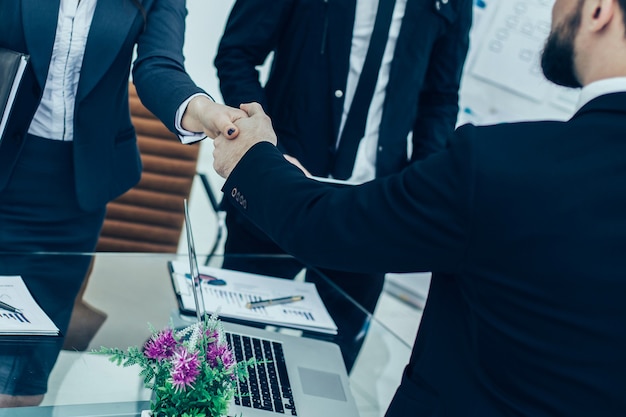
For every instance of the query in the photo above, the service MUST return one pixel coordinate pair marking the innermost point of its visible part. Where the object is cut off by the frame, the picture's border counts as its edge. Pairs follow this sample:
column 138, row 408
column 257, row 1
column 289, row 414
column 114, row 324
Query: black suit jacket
column 106, row 158
column 524, row 228
column 311, row 41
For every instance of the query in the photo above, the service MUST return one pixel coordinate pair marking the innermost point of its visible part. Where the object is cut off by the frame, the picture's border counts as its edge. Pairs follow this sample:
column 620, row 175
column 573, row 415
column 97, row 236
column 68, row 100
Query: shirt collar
column 600, row 88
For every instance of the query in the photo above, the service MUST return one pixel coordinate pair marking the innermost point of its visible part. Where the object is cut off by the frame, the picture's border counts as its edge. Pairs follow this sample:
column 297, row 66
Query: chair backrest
column 149, row 217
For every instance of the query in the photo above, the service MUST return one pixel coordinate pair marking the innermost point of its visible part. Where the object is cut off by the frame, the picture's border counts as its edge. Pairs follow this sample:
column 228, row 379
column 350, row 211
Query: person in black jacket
column 319, row 48
column 522, row 224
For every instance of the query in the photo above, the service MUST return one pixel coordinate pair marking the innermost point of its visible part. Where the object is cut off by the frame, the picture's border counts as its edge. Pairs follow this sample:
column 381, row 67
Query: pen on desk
column 282, row 300
column 8, row 307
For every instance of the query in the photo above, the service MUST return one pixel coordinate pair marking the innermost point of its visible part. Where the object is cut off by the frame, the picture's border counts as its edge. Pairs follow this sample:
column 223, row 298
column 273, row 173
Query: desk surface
column 133, row 291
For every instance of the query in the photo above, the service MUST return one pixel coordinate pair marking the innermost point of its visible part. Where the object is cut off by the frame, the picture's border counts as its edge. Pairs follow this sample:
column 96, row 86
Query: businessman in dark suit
column 523, row 226
column 70, row 147
column 320, row 51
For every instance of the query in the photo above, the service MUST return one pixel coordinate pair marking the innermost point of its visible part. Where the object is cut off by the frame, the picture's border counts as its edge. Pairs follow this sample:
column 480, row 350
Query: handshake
column 233, row 131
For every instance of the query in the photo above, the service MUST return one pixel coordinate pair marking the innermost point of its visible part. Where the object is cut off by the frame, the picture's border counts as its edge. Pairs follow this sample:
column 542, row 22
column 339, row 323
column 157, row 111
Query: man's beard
column 557, row 58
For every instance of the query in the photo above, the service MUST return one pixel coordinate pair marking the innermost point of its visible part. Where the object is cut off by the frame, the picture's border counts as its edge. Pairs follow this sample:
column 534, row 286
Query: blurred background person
column 357, row 89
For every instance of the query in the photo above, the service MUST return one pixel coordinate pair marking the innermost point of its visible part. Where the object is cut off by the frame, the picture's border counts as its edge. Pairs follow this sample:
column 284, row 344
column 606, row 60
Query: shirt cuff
column 186, row 136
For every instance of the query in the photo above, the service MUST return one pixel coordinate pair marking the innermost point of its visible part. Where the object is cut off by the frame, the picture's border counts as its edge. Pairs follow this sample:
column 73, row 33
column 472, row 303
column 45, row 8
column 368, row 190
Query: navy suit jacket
column 106, row 157
column 524, row 228
column 311, row 41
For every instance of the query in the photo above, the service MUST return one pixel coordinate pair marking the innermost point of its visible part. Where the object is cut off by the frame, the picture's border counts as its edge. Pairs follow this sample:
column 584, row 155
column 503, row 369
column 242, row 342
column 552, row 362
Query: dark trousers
column 39, row 213
column 245, row 238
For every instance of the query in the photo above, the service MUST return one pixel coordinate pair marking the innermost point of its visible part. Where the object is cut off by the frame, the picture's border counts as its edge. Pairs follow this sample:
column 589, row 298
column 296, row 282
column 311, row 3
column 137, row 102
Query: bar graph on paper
column 29, row 319
column 13, row 317
column 241, row 299
column 230, row 299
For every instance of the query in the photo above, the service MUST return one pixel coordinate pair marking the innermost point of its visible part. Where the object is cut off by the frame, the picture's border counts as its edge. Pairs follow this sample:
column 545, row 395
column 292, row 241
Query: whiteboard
column 502, row 79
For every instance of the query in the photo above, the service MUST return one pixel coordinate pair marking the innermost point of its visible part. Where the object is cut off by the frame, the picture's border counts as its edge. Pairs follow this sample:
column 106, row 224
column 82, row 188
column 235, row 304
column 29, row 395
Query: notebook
column 12, row 67
column 306, row 377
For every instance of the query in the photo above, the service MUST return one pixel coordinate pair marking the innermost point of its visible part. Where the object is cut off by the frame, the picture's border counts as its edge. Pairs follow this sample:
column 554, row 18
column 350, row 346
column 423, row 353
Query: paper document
column 29, row 318
column 230, row 299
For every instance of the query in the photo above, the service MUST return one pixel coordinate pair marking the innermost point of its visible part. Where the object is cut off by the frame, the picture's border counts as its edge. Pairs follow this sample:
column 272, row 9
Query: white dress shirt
column 600, row 88
column 54, row 118
column 365, row 163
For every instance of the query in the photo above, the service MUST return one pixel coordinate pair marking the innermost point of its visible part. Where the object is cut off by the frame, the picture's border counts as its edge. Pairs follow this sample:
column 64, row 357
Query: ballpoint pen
column 274, row 301
column 8, row 307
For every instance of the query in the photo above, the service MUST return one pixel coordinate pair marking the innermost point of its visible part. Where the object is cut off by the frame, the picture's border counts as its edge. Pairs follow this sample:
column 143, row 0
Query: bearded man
column 523, row 226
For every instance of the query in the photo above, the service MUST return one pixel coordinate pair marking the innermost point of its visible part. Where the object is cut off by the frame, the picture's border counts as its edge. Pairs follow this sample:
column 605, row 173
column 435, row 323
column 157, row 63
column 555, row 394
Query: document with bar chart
column 20, row 314
column 234, row 294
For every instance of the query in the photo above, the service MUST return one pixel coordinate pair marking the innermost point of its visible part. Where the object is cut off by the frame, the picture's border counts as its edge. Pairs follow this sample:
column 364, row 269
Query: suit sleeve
column 158, row 71
column 413, row 221
column 438, row 103
column 252, row 32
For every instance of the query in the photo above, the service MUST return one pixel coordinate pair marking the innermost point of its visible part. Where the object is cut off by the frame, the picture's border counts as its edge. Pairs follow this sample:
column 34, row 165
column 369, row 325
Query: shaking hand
column 205, row 115
column 254, row 129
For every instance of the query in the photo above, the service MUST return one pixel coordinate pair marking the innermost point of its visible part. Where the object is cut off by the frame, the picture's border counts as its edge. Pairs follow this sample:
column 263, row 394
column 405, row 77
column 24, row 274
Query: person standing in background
column 340, row 109
column 523, row 226
column 69, row 146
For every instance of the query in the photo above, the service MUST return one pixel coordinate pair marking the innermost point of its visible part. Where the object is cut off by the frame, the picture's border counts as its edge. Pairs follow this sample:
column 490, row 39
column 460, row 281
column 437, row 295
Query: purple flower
column 185, row 369
column 215, row 351
column 212, row 335
column 160, row 346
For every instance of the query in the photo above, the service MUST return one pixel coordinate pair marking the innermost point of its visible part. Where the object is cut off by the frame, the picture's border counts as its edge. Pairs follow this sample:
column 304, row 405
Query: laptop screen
column 193, row 265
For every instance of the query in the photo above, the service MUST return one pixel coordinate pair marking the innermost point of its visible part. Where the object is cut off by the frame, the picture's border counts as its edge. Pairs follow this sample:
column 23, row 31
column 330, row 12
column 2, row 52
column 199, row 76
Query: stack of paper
column 230, row 300
column 19, row 312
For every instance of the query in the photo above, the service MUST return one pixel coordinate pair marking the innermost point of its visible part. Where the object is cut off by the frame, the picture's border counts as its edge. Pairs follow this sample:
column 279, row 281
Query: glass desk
column 128, row 292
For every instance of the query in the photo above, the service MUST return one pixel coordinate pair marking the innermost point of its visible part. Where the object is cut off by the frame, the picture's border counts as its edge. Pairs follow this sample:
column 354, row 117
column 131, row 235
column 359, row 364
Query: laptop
column 305, row 377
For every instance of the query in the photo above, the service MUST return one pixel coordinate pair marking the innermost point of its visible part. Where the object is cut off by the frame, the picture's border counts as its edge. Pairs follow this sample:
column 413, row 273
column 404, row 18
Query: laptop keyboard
column 268, row 386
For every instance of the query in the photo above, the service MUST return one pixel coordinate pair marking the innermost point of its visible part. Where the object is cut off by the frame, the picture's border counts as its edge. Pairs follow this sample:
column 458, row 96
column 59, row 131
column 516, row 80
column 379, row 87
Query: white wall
column 205, row 24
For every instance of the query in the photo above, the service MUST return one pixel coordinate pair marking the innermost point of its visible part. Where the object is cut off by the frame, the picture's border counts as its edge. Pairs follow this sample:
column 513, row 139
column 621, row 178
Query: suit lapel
column 109, row 28
column 341, row 15
column 40, row 24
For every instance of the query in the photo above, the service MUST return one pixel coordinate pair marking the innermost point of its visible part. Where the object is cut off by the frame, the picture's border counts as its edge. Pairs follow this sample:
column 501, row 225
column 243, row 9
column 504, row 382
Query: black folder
column 12, row 67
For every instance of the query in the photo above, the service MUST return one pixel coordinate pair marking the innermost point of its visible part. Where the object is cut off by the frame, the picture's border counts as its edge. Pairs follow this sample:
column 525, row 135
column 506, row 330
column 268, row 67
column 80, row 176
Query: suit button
column 17, row 137
column 438, row 5
column 338, row 93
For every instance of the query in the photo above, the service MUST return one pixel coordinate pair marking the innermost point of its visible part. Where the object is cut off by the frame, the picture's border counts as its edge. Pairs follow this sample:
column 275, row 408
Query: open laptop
column 305, row 377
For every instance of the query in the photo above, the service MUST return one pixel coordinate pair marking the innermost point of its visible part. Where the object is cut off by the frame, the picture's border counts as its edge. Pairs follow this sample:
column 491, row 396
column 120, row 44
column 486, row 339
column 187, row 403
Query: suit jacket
column 311, row 41
column 524, row 228
column 106, row 157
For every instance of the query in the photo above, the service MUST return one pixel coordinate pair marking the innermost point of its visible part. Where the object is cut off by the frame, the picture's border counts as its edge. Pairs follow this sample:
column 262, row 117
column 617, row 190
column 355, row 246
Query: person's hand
column 205, row 115
column 257, row 128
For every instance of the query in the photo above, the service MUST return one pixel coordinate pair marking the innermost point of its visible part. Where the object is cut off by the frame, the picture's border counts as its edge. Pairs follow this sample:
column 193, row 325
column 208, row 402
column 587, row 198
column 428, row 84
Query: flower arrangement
column 192, row 372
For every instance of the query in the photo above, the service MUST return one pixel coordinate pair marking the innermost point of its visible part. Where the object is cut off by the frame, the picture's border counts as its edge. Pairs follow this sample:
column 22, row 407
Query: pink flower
column 160, row 346
column 212, row 335
column 185, row 369
column 215, row 351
